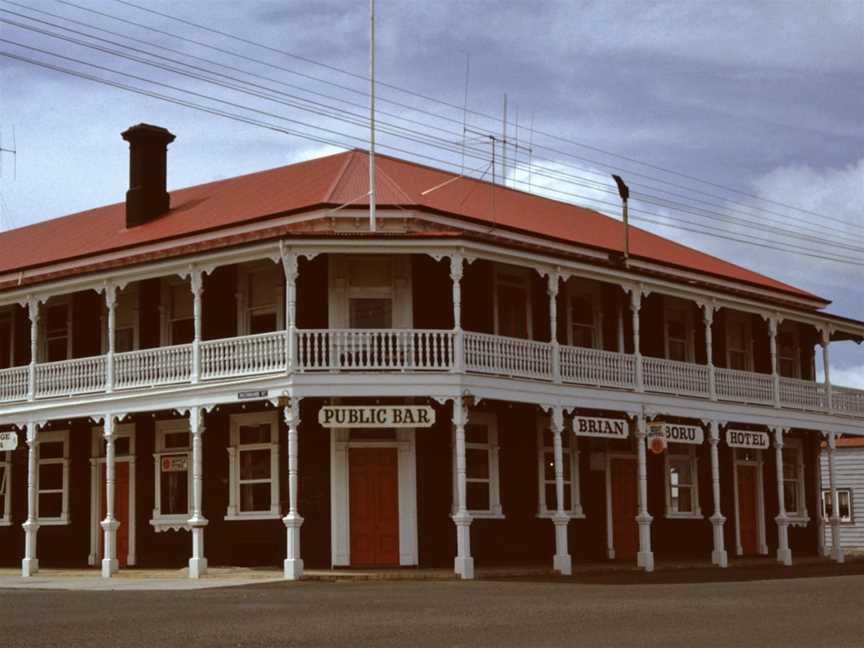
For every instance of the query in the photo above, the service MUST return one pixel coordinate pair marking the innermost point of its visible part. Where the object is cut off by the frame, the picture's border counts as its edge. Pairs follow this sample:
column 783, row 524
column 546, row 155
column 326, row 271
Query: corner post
column 635, row 307
column 109, row 525
column 834, row 520
column 196, row 283
column 30, row 563
column 719, row 556
column 561, row 562
column 784, row 554
column 290, row 267
column 708, row 319
column 457, row 268
column 773, row 325
column 33, row 314
column 293, row 566
column 110, row 291
column 552, row 284
column 197, row 563
column 464, row 563
column 824, row 342
column 645, row 557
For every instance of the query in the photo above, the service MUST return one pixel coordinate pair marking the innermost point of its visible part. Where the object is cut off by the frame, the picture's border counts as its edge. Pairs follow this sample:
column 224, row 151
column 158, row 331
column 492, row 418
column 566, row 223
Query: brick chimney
column 147, row 197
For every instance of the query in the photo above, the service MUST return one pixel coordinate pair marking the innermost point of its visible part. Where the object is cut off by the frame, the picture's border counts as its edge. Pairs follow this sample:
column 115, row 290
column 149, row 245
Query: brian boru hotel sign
column 376, row 416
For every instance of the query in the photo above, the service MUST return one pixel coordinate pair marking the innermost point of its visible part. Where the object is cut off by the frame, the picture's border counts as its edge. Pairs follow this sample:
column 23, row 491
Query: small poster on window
column 175, row 464
column 8, row 441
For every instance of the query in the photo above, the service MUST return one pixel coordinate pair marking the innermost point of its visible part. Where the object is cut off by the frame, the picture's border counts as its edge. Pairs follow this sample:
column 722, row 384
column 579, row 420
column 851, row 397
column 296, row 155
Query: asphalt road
column 811, row 611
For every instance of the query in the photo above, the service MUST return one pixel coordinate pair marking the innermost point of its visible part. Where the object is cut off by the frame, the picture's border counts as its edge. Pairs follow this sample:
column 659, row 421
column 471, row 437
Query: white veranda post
column 197, row 563
column 773, row 324
column 196, row 283
column 824, row 342
column 110, row 524
column 464, row 563
column 645, row 557
column 290, row 267
column 784, row 554
column 457, row 267
column 32, row 305
column 719, row 556
column 293, row 521
column 30, row 564
column 834, row 520
column 561, row 562
column 708, row 320
column 635, row 307
column 553, row 279
column 111, row 304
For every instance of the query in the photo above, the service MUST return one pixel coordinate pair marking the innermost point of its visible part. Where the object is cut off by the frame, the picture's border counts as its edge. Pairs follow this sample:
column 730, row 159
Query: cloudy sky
column 762, row 101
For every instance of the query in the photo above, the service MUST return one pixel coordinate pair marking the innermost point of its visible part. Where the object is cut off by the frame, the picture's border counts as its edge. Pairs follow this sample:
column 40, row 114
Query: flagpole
column 372, row 197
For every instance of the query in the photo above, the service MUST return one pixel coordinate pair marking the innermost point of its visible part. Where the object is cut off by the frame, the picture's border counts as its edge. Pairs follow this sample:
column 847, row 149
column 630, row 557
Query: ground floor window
column 254, row 466
column 5, row 487
column 172, row 494
column 482, row 486
column 682, row 482
column 548, row 503
column 793, row 479
column 52, row 479
column 844, row 497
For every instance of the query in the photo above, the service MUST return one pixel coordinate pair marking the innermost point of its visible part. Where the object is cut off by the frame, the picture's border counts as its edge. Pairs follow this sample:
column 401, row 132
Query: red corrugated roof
column 340, row 179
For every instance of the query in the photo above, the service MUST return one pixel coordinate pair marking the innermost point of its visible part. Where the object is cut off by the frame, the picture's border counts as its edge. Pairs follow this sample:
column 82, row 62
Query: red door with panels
column 374, row 506
column 748, row 509
column 625, row 508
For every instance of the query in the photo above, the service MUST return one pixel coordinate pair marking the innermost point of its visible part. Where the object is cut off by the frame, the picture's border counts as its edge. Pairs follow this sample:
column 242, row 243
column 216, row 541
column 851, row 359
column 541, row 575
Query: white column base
column 29, row 567
column 836, row 549
column 197, row 563
column 197, row 567
column 645, row 560
column 561, row 562
column 110, row 566
column 293, row 564
column 463, row 564
column 719, row 556
column 784, row 553
column 645, row 557
column 784, row 556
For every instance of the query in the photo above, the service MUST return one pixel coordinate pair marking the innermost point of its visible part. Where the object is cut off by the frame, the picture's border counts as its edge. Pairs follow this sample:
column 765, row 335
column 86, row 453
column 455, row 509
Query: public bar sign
column 593, row 426
column 8, row 441
column 675, row 433
column 376, row 416
column 747, row 439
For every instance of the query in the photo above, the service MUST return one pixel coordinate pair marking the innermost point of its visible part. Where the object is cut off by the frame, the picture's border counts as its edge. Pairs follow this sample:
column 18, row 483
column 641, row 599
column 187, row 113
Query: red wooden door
column 374, row 506
column 748, row 509
column 121, row 509
column 625, row 507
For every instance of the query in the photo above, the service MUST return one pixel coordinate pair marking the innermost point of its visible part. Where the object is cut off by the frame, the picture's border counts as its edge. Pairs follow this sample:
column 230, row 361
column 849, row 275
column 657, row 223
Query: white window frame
column 53, row 437
column 399, row 291
column 130, row 293
column 826, row 497
column 166, row 309
column 234, row 450
column 9, row 312
column 570, row 454
column 64, row 300
column 674, row 305
column 593, row 293
column 174, row 521
column 800, row 515
column 276, row 306
column 688, row 453
column 524, row 283
column 791, row 329
column 744, row 319
column 490, row 421
column 6, row 488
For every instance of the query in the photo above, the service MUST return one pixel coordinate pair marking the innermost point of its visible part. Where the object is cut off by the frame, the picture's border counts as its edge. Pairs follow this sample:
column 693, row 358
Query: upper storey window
column 788, row 351
column 739, row 342
column 678, row 328
column 584, row 315
column 177, row 311
column 7, row 339
column 125, row 321
column 56, row 322
column 260, row 298
column 370, row 291
column 513, row 302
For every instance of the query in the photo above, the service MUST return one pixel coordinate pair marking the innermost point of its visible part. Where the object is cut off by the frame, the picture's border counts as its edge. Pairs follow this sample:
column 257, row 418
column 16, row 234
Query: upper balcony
column 414, row 350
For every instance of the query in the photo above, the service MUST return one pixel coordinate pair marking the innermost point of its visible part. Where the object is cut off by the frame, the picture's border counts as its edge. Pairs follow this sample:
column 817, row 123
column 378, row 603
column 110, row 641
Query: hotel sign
column 376, row 416
column 592, row 426
column 675, row 433
column 747, row 439
column 8, row 441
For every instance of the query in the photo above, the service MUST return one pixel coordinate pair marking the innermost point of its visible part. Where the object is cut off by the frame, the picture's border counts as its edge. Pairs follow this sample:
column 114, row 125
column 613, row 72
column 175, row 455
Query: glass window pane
column 683, row 502
column 50, row 505
column 58, row 349
column 51, row 450
column 51, row 476
column 255, row 497
column 551, row 497
column 176, row 440
column 121, row 447
column 254, row 464
column 583, row 336
column 250, row 434
column 124, row 340
column 371, row 313
column 679, row 472
column 512, row 311
column 477, row 496
column 549, row 466
column 790, row 496
column 677, row 350
column 181, row 302
column 477, row 463
column 581, row 311
column 56, row 320
column 476, row 434
column 845, row 507
column 174, row 489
